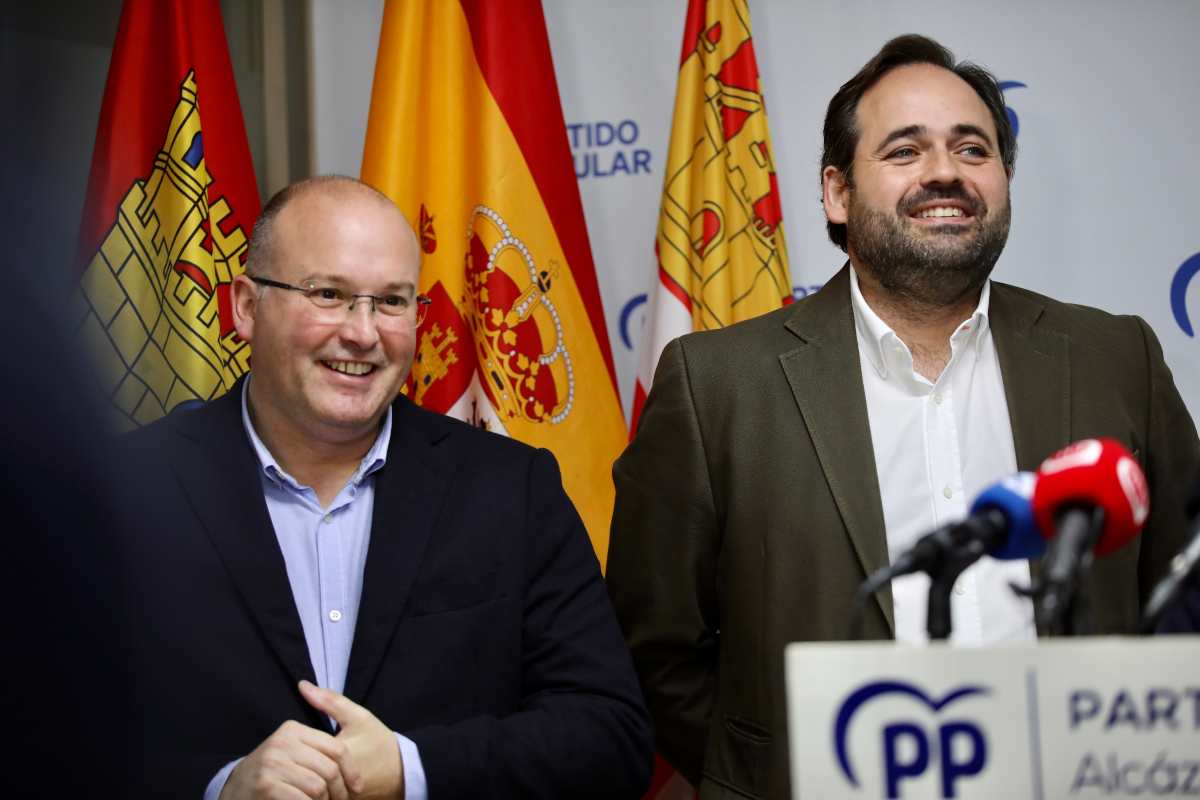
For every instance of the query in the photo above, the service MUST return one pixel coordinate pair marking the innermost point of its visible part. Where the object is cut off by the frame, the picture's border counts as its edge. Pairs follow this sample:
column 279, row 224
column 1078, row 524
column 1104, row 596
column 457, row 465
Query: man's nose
column 358, row 328
column 941, row 167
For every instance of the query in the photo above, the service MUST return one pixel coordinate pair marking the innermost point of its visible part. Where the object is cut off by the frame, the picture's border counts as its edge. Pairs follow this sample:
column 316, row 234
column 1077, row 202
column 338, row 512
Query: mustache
column 974, row 205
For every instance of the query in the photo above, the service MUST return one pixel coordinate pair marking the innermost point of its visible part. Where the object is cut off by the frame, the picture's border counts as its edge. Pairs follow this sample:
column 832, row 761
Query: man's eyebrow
column 967, row 129
column 338, row 280
column 900, row 133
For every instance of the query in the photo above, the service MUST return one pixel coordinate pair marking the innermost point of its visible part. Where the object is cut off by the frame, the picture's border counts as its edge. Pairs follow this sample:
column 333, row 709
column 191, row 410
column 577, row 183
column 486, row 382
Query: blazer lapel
column 408, row 496
column 826, row 382
column 220, row 476
column 1035, row 363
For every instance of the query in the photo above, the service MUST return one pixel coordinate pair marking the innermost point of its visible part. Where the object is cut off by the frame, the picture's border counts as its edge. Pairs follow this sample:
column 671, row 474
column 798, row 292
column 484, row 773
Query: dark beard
column 934, row 266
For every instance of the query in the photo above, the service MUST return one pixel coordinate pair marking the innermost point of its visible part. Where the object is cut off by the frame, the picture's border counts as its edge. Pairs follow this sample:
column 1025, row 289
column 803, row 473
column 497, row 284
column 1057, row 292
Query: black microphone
column 1184, row 566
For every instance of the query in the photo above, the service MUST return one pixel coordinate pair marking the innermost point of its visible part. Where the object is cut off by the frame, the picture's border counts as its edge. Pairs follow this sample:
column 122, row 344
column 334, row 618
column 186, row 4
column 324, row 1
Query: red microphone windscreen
column 1094, row 472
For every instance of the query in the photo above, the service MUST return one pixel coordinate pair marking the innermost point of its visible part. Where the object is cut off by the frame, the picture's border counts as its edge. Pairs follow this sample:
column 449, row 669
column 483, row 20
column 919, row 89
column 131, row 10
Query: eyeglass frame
column 420, row 302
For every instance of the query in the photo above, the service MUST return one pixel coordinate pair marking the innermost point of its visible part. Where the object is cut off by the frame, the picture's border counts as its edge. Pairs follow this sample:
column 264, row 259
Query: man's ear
column 835, row 195
column 245, row 295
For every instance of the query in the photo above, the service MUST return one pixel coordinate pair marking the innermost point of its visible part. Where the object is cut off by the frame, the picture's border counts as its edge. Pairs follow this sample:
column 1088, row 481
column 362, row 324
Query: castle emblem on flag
column 157, row 312
column 720, row 238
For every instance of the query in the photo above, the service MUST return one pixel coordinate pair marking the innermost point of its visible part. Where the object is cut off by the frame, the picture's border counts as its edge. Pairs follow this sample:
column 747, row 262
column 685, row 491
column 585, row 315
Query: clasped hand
column 297, row 762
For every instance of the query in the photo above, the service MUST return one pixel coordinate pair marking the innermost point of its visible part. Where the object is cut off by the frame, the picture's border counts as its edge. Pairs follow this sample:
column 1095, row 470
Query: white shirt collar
column 886, row 352
column 372, row 462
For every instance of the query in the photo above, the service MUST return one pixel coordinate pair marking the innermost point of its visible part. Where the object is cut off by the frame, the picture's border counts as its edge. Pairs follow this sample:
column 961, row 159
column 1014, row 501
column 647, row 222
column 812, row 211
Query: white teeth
column 941, row 211
column 350, row 367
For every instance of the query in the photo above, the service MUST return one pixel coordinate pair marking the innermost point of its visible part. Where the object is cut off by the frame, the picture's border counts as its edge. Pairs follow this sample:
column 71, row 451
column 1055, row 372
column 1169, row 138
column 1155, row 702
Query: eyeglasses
column 331, row 299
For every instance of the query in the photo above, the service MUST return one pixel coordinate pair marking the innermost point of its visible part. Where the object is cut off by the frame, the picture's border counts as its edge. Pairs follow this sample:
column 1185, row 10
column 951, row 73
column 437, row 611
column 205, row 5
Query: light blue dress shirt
column 325, row 551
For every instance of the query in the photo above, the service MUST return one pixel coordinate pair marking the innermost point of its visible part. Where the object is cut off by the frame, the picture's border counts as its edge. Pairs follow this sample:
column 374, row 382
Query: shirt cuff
column 415, row 787
column 217, row 784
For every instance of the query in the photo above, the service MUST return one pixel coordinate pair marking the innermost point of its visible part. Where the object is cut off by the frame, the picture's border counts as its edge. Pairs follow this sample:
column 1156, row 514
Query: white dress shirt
column 937, row 445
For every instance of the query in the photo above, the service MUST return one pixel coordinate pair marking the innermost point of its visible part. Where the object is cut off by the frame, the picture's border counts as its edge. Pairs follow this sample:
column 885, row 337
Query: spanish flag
column 720, row 249
column 466, row 135
column 170, row 204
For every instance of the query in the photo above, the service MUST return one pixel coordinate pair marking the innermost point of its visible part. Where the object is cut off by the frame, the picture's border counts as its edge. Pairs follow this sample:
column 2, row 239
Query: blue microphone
column 1001, row 524
column 1005, row 510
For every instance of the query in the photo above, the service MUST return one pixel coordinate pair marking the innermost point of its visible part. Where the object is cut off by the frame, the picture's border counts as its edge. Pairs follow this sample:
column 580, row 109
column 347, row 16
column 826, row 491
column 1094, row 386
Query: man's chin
column 351, row 419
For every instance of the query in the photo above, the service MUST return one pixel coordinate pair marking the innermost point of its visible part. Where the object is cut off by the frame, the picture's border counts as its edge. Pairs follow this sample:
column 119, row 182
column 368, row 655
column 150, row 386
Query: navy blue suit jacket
column 484, row 633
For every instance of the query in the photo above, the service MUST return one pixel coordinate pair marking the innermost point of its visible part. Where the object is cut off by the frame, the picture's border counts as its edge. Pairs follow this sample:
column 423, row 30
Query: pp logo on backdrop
column 1179, row 287
column 953, row 748
column 1012, row 115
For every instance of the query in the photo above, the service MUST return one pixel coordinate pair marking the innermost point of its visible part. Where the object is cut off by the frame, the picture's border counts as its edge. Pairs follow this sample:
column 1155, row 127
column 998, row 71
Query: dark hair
column 258, row 252
column 841, row 119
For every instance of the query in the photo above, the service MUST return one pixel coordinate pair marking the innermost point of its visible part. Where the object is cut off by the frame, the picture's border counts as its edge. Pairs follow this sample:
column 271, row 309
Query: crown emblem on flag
column 523, row 359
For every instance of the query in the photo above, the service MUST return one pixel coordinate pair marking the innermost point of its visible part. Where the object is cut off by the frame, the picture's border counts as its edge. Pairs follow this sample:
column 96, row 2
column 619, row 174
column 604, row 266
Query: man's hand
column 295, row 761
column 371, row 767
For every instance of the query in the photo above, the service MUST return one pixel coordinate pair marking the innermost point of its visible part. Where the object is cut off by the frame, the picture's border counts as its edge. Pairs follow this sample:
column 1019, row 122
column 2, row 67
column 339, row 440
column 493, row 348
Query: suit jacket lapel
column 219, row 474
column 1035, row 363
column 408, row 495
column 826, row 382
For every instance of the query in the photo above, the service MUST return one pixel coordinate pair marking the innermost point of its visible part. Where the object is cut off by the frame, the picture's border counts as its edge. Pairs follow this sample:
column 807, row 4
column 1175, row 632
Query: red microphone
column 1092, row 498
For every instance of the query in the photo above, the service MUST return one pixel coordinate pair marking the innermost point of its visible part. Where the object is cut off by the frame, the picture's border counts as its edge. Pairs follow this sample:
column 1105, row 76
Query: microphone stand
column 942, row 578
column 1061, row 609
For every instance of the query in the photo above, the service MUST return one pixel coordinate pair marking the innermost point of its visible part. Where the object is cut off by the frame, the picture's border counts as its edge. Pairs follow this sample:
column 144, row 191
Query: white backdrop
column 1106, row 200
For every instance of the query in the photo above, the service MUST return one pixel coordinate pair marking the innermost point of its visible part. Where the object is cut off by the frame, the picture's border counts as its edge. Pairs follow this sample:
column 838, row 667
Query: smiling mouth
column 355, row 368
column 941, row 212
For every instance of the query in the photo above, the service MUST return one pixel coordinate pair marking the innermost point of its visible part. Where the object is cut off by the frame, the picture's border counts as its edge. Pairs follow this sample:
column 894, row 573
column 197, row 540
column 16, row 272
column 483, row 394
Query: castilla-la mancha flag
column 170, row 204
column 466, row 135
column 720, row 249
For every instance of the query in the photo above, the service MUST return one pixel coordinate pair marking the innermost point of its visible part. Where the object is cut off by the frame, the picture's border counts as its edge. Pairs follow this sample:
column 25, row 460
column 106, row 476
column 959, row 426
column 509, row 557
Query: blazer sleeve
column 582, row 729
column 1172, row 467
column 662, row 565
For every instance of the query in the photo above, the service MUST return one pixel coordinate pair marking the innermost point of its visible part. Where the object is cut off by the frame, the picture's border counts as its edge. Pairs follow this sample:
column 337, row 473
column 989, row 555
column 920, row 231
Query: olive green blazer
column 748, row 509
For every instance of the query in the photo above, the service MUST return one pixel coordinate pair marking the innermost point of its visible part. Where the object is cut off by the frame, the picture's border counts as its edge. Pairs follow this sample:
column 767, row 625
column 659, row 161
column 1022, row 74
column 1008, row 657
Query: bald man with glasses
column 345, row 595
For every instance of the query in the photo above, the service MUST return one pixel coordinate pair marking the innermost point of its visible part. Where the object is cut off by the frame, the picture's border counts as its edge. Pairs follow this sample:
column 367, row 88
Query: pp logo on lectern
column 910, row 746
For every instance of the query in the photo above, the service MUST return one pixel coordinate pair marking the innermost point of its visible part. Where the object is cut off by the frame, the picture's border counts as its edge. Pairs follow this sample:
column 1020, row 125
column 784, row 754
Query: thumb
column 343, row 710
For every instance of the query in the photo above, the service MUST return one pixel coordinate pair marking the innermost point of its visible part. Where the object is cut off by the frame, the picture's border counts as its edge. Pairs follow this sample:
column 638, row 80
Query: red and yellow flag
column 170, row 204
column 466, row 135
column 720, row 248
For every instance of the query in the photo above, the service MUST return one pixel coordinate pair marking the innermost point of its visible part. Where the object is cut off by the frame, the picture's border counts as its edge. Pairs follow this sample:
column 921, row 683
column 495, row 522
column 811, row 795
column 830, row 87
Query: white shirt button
column 335, row 616
column 937, row 399
column 947, row 492
column 328, row 518
column 959, row 590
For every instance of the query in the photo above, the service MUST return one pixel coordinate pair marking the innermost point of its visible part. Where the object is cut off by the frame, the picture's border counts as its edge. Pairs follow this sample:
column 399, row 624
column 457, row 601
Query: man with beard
column 780, row 461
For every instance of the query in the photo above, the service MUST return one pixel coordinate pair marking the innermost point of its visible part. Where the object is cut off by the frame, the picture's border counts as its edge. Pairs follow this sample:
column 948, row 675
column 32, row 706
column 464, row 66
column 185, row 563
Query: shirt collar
column 371, row 463
column 878, row 339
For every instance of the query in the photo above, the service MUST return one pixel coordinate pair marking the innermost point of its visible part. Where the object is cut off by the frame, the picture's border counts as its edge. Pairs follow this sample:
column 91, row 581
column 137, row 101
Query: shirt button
column 937, row 398
column 335, row 616
column 947, row 492
column 328, row 518
column 959, row 590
